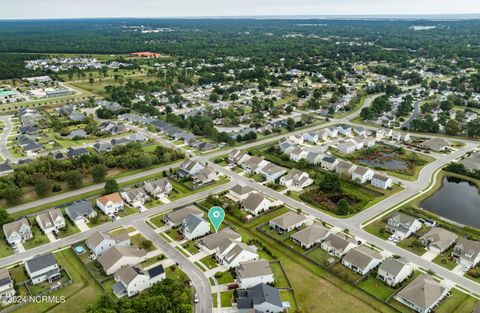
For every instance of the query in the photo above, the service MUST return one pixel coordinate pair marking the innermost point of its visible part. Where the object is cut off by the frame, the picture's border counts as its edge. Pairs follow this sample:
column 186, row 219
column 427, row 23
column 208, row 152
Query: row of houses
column 438, row 240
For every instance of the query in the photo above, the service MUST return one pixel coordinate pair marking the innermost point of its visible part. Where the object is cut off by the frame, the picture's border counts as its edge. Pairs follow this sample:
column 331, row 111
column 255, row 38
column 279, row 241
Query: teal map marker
column 216, row 215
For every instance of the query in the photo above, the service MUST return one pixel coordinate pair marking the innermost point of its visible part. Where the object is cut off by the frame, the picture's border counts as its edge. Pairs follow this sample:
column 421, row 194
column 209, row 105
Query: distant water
column 457, row 200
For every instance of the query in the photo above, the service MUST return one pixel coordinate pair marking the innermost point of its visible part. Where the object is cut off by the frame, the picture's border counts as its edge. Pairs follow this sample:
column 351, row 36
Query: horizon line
column 427, row 16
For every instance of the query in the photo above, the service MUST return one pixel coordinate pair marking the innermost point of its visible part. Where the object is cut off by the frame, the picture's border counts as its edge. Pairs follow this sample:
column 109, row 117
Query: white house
column 194, row 227
column 99, row 243
column 297, row 179
column 438, row 240
column 132, row 280
column 234, row 253
column 381, row 181
column 297, row 139
column 272, row 172
column 256, row 203
column 310, row 137
column 310, row 236
column 51, row 220
column 110, row 204
column 332, row 131
column 362, row 174
column 252, row 273
column 344, row 130
column 348, row 146
column 6, row 286
column 467, row 252
column 254, row 164
column 329, row 162
column 158, row 188
column 176, row 217
column 190, row 167
column 135, row 196
column 337, row 246
column 394, row 271
column 297, row 154
column 18, row 231
column 361, row 260
column 261, row 298
column 238, row 157
column 402, row 225
column 240, row 192
column 42, row 267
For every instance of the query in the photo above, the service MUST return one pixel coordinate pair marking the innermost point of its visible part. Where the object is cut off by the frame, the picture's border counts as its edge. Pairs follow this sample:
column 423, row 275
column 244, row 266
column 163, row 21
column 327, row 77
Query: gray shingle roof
column 40, row 262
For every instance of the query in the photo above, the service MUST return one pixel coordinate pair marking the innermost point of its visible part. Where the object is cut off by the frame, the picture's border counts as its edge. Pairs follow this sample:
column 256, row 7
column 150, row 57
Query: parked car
column 196, row 299
column 232, row 286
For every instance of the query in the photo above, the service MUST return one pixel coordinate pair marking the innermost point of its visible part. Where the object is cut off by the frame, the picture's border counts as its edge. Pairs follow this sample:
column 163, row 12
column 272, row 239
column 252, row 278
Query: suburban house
column 110, row 204
column 194, row 227
column 344, row 130
column 438, row 239
column 314, row 158
column 254, row 164
column 381, row 181
column 345, row 168
column 136, row 197
column 298, row 154
column 310, row 236
column 402, row 225
column 252, row 273
column 337, row 246
column 6, row 286
column 232, row 252
column 18, row 231
column 80, row 211
column 348, row 146
column 360, row 131
column 117, row 257
column 211, row 243
column 239, row 192
column 42, row 268
column 435, row 144
column 467, row 252
column 176, row 217
column 51, row 220
column 394, row 271
column 310, row 137
column 332, row 131
column 158, row 188
column 362, row 174
column 329, row 162
column 362, row 259
column 322, row 134
column 296, row 178
column 297, row 139
column 272, row 172
column 132, row 280
column 260, row 298
column 206, row 176
column 5, row 169
column 288, row 222
column 422, row 294
column 99, row 243
column 238, row 157
column 384, row 133
column 256, row 203
column 189, row 168
column 103, row 146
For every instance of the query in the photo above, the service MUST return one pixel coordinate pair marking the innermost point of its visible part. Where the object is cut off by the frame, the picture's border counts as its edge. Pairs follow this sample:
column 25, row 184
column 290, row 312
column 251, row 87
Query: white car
column 196, row 299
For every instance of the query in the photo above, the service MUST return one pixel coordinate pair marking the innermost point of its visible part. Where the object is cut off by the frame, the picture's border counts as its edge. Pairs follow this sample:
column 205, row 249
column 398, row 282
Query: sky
column 33, row 9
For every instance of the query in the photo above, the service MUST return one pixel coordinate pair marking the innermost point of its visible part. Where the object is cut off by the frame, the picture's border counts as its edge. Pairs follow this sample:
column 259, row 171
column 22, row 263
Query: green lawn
column 280, row 276
column 157, row 220
column 376, row 287
column 377, row 228
column 411, row 244
column 224, row 277
column 209, row 262
column 128, row 210
column 319, row 255
column 70, row 229
column 445, row 260
column 287, row 296
column 39, row 238
column 174, row 233
column 457, row 302
column 138, row 239
column 226, row 299
column 121, row 230
column 5, row 248
column 345, row 272
column 18, row 273
column 175, row 273
column 190, row 247
column 83, row 291
column 153, row 260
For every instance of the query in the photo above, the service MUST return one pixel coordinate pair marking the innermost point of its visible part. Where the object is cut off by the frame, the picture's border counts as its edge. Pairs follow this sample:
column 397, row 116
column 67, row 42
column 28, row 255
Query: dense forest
column 262, row 40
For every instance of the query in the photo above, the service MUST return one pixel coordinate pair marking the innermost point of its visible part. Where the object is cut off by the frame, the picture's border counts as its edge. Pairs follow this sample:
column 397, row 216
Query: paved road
column 200, row 281
column 4, row 138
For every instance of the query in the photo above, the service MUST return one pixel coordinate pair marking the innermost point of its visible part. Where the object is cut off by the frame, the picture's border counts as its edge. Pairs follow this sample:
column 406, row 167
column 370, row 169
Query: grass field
column 374, row 286
column 83, row 291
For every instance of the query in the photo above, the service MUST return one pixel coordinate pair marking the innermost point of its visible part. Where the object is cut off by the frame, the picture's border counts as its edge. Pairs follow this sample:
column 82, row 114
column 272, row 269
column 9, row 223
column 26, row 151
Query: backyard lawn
column 226, row 299
column 281, row 280
column 413, row 245
column 209, row 262
column 376, row 287
column 320, row 256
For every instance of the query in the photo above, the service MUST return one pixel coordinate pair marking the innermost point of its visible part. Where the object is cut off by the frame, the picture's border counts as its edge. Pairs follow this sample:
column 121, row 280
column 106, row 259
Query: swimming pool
column 79, row 249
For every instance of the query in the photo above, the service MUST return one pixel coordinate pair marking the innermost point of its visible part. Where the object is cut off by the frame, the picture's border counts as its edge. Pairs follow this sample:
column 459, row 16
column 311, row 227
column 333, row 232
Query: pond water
column 387, row 161
column 457, row 200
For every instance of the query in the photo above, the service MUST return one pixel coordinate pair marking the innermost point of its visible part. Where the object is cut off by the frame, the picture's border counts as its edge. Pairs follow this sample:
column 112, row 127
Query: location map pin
column 216, row 215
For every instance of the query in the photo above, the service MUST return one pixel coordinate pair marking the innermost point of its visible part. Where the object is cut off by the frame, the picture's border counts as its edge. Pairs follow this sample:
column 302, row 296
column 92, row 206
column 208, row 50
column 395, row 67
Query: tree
column 43, row 186
column 73, row 179
column 4, row 217
column 99, row 172
column 111, row 186
column 343, row 208
column 146, row 244
column 12, row 194
column 330, row 183
column 290, row 124
column 452, row 128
